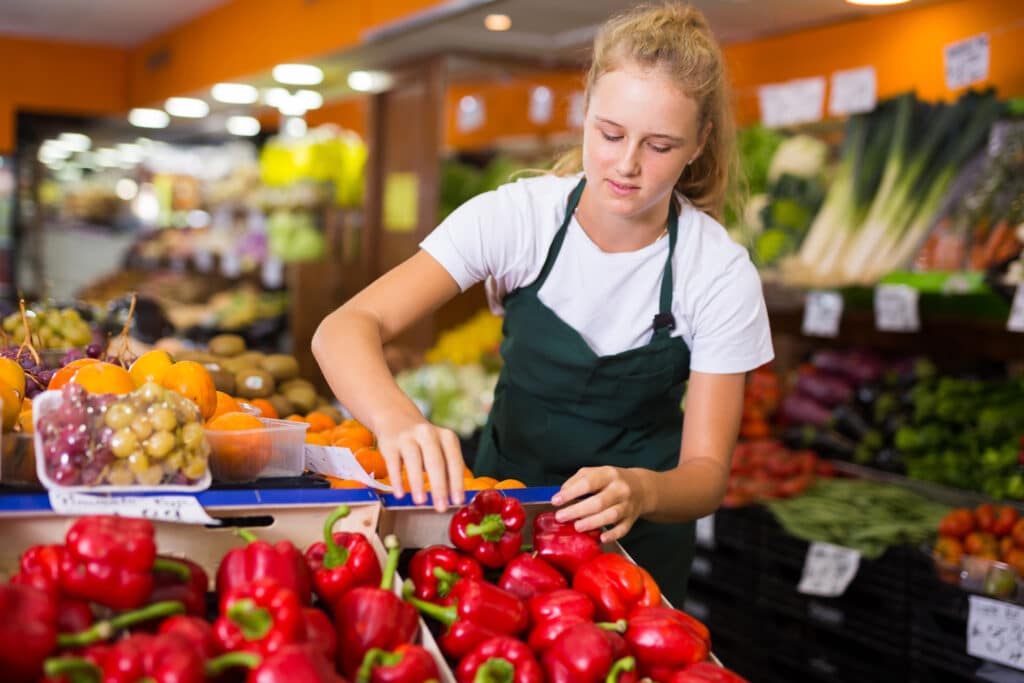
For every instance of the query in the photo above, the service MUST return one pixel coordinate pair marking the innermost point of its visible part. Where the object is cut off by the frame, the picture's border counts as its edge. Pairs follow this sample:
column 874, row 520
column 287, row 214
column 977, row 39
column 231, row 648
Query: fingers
column 412, row 459
column 600, row 519
column 617, row 531
column 435, row 464
column 393, row 460
column 453, row 457
column 584, row 482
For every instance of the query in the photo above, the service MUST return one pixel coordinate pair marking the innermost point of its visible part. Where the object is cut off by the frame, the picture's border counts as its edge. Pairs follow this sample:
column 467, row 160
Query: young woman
column 617, row 286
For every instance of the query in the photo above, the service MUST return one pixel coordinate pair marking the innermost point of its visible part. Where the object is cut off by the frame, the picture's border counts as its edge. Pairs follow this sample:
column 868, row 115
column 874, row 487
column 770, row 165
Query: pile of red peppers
column 104, row 607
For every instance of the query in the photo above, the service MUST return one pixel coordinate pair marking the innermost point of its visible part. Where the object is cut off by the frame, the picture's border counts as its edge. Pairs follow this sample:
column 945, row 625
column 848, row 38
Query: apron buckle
column 664, row 321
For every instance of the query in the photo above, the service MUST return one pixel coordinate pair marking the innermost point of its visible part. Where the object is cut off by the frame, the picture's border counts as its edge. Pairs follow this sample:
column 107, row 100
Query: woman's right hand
column 412, row 441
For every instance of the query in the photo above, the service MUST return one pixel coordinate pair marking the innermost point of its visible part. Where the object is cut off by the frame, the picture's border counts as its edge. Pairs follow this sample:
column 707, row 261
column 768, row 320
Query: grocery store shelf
column 937, row 492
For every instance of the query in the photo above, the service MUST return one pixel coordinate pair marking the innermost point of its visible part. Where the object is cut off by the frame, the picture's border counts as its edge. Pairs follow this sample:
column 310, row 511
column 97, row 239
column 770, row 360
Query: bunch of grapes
column 149, row 437
column 37, row 374
column 53, row 328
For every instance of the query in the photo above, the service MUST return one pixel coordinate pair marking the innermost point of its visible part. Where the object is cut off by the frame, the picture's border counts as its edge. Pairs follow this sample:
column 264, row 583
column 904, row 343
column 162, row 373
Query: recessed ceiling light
column 126, row 189
column 498, row 22
column 370, row 81
column 234, row 93
column 310, row 99
column 877, row 3
column 243, row 125
column 131, row 154
column 187, row 107
column 148, row 118
column 297, row 74
column 292, row 106
column 76, row 142
column 275, row 97
column 295, row 127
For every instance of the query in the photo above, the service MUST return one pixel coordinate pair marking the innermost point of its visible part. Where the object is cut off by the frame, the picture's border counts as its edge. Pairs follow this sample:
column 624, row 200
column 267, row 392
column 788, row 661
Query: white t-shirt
column 610, row 298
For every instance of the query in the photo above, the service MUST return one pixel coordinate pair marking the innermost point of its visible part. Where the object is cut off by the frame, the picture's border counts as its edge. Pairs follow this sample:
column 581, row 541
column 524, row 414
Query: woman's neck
column 615, row 234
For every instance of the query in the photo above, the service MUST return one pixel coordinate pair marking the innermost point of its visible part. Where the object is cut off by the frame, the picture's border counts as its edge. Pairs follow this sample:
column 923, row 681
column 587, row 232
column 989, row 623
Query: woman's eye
column 611, row 138
column 660, row 150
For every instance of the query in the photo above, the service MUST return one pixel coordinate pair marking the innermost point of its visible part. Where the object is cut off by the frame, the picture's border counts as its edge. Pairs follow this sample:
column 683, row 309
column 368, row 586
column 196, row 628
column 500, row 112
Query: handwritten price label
column 896, row 308
column 1016, row 321
column 995, row 631
column 706, row 532
column 793, row 102
column 828, row 570
column 180, row 509
column 852, row 91
column 340, row 463
column 966, row 61
column 822, row 312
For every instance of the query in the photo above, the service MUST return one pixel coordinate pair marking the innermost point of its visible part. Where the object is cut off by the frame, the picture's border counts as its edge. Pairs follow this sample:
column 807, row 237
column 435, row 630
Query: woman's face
column 639, row 133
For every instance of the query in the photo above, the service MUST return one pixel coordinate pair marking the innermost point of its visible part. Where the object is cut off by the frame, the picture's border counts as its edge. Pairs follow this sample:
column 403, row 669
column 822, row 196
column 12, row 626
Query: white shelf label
column 272, row 272
column 896, row 308
column 828, row 570
column 966, row 61
column 340, row 463
column 995, row 631
column 1016, row 321
column 793, row 102
column 853, row 91
column 822, row 312
column 182, row 509
column 706, row 532
column 230, row 264
column 203, row 260
column 542, row 104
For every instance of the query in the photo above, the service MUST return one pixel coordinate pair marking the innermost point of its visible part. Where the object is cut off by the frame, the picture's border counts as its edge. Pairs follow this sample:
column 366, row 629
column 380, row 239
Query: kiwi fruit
column 224, row 381
column 293, row 383
column 303, row 398
column 252, row 383
column 334, row 413
column 227, row 345
column 282, row 406
column 281, row 366
column 250, row 359
column 201, row 357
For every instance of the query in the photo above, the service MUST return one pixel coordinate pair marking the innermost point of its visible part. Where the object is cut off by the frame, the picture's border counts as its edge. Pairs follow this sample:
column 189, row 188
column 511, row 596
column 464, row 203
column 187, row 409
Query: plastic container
column 277, row 450
column 18, row 460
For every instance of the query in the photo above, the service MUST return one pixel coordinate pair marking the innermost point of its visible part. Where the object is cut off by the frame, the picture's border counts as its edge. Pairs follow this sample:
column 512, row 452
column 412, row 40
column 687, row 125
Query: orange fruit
column 150, row 367
column 481, row 483
column 372, row 461
column 265, row 407
column 349, row 422
column 317, row 439
column 319, row 422
column 104, row 378
column 13, row 374
column 236, row 456
column 64, row 375
column 357, row 434
column 344, row 483
column 25, row 421
column 510, row 484
column 225, row 404
column 294, row 417
column 193, row 381
column 11, row 406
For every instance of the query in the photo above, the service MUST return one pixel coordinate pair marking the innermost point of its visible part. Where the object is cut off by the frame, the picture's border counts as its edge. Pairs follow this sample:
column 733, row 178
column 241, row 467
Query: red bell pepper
column 110, row 560
column 104, row 630
column 559, row 544
column 280, row 561
column 28, row 631
column 705, row 672
column 319, row 632
column 590, row 653
column 261, row 617
column 191, row 593
column 78, row 671
column 167, row 658
column 434, row 570
column 554, row 613
column 616, row 586
column 197, row 631
column 664, row 639
column 367, row 618
column 527, row 575
column 490, row 528
column 477, row 612
column 501, row 660
column 40, row 567
column 291, row 664
column 405, row 664
column 341, row 561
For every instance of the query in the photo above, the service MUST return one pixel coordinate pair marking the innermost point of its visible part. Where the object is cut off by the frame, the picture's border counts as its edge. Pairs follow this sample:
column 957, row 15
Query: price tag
column 230, row 264
column 272, row 272
column 203, row 260
column 828, row 570
column 471, row 113
column 995, row 631
column 1016, row 321
column 542, row 103
column 896, row 308
column 706, row 532
column 183, row 509
column 853, row 91
column 340, row 463
column 793, row 102
column 696, row 609
column 966, row 61
column 822, row 312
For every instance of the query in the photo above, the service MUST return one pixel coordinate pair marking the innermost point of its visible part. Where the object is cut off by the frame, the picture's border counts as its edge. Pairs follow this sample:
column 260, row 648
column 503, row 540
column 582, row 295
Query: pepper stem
column 617, row 626
column 336, row 555
column 491, row 527
column 218, row 665
column 623, row 665
column 495, row 670
column 247, row 536
column 446, row 615
column 169, row 566
column 102, row 630
column 375, row 657
column 255, row 622
column 446, row 580
column 391, row 566
column 78, row 669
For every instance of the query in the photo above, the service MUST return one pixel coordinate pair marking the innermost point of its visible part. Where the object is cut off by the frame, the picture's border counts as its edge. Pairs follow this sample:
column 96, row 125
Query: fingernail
column 556, row 500
column 559, row 517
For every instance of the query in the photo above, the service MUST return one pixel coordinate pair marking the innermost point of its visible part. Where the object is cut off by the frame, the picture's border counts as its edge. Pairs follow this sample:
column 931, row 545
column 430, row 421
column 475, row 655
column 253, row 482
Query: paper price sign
column 793, row 102
column 706, row 532
column 852, row 91
column 181, row 509
column 896, row 308
column 822, row 312
column 966, row 61
column 340, row 463
column 995, row 631
column 828, row 570
column 1016, row 321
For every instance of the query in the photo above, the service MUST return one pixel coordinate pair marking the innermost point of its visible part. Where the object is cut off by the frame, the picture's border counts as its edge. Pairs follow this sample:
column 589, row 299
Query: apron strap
column 664, row 322
column 556, row 244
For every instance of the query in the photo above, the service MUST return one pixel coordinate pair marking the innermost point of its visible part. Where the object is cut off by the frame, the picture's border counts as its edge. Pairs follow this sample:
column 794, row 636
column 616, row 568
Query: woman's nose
column 628, row 164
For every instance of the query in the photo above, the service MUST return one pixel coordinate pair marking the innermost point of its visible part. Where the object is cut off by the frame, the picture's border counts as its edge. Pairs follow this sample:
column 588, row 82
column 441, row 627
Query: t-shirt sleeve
column 731, row 333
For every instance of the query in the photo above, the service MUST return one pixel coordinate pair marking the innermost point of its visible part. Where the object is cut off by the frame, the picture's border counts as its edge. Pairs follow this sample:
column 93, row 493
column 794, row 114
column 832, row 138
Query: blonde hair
column 677, row 40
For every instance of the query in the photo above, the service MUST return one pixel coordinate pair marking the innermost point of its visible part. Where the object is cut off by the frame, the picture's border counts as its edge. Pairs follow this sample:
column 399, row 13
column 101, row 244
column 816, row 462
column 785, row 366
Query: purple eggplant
column 829, row 390
column 799, row 409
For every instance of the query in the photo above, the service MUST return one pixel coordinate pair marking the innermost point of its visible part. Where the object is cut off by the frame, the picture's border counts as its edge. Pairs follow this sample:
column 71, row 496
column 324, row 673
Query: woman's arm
column 348, row 345
column 693, row 489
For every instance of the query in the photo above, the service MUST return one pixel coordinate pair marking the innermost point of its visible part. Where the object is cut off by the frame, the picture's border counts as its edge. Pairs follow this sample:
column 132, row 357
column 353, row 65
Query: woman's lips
column 621, row 189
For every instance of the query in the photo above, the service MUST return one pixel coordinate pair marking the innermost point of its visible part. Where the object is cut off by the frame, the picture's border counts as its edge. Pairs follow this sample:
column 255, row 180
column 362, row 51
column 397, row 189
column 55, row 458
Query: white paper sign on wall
column 896, row 308
column 792, row 102
column 966, row 61
column 471, row 113
column 822, row 312
column 272, row 272
column 1016, row 321
column 542, row 104
column 828, row 570
column 853, row 91
column 995, row 631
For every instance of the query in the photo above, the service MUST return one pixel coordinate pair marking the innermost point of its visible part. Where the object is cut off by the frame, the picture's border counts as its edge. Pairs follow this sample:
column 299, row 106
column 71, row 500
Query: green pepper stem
column 491, row 528
column 336, row 555
column 102, row 630
column 446, row 580
column 617, row 626
column 254, row 622
column 169, row 566
column 375, row 657
column 619, row 667
column 76, row 668
column 391, row 566
column 526, row 548
column 247, row 536
column 495, row 670
column 218, row 665
column 446, row 615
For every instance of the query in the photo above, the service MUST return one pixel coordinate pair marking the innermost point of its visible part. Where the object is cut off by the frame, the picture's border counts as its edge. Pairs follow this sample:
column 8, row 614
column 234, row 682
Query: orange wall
column 349, row 114
column 41, row 75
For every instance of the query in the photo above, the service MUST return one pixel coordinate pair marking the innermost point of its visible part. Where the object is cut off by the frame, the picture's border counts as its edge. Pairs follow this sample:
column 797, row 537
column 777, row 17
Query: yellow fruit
column 11, row 406
column 104, row 378
column 12, row 373
column 150, row 367
column 193, row 381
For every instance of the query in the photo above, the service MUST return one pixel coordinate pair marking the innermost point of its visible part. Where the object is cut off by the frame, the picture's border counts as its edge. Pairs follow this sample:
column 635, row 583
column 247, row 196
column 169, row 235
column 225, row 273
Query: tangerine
column 510, row 484
column 356, row 434
column 64, row 375
column 150, row 367
column 265, row 407
column 11, row 406
column 235, row 456
column 319, row 422
column 193, row 381
column 104, row 378
column 225, row 404
column 317, row 439
column 372, row 462
column 12, row 373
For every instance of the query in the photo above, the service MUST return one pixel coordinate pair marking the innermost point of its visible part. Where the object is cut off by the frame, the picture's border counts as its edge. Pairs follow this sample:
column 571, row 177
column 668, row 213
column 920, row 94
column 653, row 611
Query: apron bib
column 559, row 407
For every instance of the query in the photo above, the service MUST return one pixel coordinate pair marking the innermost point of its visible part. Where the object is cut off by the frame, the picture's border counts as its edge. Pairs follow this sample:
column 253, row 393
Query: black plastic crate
column 740, row 528
column 944, row 662
column 726, row 568
column 724, row 613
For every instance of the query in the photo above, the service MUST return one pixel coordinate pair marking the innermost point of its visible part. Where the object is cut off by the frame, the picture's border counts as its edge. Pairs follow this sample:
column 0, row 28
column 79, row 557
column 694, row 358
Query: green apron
column 559, row 407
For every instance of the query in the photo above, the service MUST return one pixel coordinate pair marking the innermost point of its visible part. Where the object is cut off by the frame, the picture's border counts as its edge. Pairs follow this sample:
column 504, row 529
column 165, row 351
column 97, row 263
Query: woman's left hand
column 612, row 496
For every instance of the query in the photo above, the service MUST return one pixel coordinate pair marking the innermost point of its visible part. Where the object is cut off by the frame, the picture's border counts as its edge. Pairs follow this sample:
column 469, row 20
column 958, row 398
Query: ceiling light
column 107, row 156
column 297, row 74
column 76, row 142
column 293, row 106
column 187, row 107
column 148, row 118
column 876, row 3
column 234, row 93
column 243, row 125
column 131, row 154
column 310, row 99
column 275, row 97
column 498, row 22
column 126, row 189
column 370, row 81
column 295, row 127
column 52, row 151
